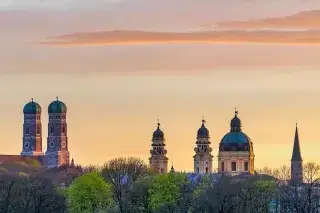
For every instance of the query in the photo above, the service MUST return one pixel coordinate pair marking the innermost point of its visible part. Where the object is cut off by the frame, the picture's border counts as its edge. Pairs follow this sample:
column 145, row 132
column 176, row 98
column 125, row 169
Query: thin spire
column 172, row 168
column 296, row 153
column 158, row 123
column 203, row 120
column 236, row 111
column 31, row 99
column 57, row 98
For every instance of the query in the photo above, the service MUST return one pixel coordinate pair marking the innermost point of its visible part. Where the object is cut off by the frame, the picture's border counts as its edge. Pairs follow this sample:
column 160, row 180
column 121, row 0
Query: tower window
column 51, row 129
column 198, row 169
column 27, row 131
column 233, row 166
column 246, row 166
column 38, row 129
column 161, row 170
column 63, row 128
column 206, row 169
column 222, row 166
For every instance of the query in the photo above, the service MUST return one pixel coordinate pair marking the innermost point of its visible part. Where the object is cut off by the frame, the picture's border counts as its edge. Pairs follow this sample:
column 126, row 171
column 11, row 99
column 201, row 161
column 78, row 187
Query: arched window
column 222, row 166
column 63, row 128
column 207, row 170
column 38, row 129
column 27, row 130
column 198, row 170
column 51, row 129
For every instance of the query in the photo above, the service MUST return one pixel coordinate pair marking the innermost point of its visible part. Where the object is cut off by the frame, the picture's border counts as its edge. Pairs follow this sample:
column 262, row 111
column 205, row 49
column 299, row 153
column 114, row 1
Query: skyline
column 122, row 87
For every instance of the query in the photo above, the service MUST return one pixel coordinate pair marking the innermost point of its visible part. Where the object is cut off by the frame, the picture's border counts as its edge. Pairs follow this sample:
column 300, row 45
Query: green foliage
column 137, row 199
column 166, row 189
column 89, row 193
column 204, row 184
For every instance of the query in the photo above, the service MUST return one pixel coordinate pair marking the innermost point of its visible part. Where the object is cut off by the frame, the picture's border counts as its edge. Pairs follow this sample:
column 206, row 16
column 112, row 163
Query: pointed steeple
column 172, row 168
column 296, row 153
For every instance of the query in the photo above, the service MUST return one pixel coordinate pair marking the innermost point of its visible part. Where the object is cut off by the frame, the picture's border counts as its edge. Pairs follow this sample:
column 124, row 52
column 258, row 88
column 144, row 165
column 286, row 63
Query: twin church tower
column 57, row 153
column 235, row 151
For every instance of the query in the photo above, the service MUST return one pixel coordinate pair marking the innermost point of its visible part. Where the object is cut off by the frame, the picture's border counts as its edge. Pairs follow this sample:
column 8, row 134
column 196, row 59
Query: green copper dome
column 32, row 108
column 235, row 140
column 57, row 107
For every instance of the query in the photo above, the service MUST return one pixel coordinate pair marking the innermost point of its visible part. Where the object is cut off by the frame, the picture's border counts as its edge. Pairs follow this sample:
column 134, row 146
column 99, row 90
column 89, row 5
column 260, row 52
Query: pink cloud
column 125, row 37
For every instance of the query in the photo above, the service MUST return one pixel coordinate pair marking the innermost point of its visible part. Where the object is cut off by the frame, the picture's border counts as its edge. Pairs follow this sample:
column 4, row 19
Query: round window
column 51, row 144
column 26, row 144
column 63, row 144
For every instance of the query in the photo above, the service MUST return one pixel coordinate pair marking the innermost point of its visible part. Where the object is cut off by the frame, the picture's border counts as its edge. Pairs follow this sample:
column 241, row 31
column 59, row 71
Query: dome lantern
column 203, row 131
column 235, row 124
column 158, row 134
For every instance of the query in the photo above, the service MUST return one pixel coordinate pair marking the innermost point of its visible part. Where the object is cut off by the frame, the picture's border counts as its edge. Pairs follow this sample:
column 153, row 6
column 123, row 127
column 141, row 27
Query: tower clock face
column 63, row 144
column 51, row 144
column 26, row 144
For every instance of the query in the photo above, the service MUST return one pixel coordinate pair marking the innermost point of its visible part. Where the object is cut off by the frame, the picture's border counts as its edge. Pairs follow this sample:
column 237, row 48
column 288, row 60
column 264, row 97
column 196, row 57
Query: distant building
column 57, row 153
column 236, row 150
column 57, row 143
column 32, row 130
column 296, row 160
column 158, row 159
column 203, row 157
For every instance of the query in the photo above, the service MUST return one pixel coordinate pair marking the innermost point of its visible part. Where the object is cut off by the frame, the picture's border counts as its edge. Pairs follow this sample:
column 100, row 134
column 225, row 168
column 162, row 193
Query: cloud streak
column 125, row 37
column 304, row 20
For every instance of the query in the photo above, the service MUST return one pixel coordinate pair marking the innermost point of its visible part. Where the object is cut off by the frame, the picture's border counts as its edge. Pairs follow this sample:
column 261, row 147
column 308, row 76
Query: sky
column 121, row 65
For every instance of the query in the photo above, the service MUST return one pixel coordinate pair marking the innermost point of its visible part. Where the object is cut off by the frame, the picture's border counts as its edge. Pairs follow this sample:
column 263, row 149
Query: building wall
column 240, row 157
column 57, row 142
column 203, row 163
column 32, row 135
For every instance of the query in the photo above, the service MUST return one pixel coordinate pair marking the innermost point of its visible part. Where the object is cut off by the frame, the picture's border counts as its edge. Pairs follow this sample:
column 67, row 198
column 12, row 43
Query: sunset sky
column 121, row 65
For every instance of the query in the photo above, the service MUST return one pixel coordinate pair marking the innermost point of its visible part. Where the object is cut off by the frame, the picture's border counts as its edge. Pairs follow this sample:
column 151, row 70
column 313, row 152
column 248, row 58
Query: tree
column 303, row 197
column 257, row 195
column 219, row 197
column 29, row 195
column 166, row 189
column 138, row 199
column 89, row 193
column 121, row 173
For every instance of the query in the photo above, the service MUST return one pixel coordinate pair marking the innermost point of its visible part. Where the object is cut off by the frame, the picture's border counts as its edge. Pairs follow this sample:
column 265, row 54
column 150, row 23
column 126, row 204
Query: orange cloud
column 305, row 20
column 123, row 37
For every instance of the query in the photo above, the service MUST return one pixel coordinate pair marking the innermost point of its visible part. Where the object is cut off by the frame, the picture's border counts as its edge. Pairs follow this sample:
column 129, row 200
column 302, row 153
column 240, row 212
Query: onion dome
column 158, row 134
column 57, row 107
column 32, row 108
column 235, row 140
column 203, row 132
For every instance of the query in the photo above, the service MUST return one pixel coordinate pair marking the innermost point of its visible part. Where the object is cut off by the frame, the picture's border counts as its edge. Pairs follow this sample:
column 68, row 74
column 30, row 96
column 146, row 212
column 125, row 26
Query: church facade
column 57, row 153
column 235, row 156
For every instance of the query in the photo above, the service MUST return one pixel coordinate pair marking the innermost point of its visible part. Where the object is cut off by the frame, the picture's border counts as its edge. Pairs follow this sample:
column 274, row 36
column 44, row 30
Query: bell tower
column 296, row 160
column 203, row 158
column 32, row 130
column 158, row 159
column 57, row 153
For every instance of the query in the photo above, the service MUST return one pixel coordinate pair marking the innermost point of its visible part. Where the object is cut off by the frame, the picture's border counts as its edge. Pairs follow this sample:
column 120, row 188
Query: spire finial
column 172, row 168
column 57, row 98
column 236, row 111
column 31, row 99
column 203, row 121
column 158, row 123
